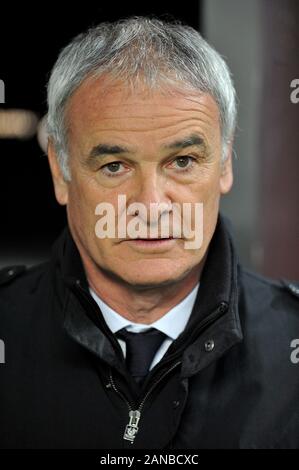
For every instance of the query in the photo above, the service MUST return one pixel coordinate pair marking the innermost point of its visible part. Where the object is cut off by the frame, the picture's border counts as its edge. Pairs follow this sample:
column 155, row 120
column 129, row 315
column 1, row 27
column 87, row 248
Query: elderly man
column 126, row 339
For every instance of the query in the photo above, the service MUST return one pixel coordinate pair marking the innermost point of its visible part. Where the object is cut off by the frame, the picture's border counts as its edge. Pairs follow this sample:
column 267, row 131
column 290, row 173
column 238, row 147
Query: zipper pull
column 132, row 428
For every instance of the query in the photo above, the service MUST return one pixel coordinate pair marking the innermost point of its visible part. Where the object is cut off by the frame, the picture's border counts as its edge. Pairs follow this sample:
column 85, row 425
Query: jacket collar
column 214, row 326
column 215, row 308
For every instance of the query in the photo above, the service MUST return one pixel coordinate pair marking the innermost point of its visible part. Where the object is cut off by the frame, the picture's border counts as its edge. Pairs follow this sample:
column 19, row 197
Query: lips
column 152, row 245
column 153, row 239
column 150, row 239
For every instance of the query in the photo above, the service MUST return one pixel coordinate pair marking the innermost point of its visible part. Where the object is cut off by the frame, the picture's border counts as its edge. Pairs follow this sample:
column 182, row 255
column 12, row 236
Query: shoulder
column 18, row 280
column 8, row 274
column 284, row 286
column 264, row 293
column 23, row 293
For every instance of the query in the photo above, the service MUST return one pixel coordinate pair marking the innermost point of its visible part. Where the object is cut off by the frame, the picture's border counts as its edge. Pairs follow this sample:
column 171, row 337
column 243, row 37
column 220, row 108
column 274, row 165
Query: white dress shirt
column 171, row 324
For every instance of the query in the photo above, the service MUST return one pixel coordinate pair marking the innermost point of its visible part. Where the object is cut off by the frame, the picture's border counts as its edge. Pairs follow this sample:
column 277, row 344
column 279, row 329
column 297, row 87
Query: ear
column 60, row 185
column 227, row 177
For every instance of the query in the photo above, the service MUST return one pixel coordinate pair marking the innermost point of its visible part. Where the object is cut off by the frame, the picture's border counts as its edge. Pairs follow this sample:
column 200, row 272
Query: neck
column 139, row 305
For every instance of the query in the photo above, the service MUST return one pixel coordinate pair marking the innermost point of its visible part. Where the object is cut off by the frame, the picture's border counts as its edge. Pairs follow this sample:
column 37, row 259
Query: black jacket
column 227, row 382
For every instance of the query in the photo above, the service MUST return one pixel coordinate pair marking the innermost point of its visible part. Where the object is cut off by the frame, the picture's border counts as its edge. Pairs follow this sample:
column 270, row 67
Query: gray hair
column 139, row 48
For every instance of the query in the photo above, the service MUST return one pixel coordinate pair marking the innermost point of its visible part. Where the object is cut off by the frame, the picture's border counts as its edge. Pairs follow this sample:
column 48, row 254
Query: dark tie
column 140, row 350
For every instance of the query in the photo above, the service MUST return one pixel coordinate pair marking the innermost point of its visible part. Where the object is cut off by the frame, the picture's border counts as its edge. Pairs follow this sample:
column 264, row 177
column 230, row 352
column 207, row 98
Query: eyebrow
column 192, row 140
column 106, row 149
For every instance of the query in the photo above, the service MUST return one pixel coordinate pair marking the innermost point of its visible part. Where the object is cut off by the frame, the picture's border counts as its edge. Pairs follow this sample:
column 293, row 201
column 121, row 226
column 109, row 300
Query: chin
column 148, row 278
column 151, row 283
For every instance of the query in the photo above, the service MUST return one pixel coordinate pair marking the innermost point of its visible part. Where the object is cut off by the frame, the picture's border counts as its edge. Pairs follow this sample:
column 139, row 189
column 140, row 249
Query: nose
column 151, row 191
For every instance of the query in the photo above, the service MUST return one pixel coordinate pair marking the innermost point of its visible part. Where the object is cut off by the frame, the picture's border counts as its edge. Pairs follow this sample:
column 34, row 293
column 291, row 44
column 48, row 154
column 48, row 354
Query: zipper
column 132, row 427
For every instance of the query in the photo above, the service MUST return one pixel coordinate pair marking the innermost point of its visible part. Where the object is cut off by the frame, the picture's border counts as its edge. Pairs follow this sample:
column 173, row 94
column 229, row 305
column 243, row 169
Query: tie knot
column 140, row 350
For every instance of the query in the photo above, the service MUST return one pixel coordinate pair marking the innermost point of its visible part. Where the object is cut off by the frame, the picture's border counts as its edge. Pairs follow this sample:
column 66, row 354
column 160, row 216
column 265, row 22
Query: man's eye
column 113, row 168
column 183, row 163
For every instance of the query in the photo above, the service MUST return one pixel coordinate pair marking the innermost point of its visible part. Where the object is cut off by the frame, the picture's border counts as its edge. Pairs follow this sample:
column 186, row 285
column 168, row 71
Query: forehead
column 98, row 107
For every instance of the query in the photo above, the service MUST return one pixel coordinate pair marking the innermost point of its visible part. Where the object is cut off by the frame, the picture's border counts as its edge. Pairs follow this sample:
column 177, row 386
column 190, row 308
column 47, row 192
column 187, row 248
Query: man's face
column 152, row 148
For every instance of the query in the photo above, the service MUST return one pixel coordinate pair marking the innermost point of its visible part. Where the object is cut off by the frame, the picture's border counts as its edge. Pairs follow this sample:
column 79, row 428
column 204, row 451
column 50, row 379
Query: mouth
column 152, row 242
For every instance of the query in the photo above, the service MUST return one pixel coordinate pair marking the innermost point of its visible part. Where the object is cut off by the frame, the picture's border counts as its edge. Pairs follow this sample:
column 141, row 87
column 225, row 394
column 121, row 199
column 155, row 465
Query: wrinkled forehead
column 101, row 106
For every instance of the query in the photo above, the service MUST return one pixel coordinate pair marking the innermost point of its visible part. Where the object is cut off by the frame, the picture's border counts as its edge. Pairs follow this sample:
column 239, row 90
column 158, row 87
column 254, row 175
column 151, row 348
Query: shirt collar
column 171, row 324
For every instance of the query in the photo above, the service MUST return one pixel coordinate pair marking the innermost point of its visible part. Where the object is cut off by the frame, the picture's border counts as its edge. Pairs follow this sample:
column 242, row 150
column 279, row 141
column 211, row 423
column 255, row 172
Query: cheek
column 207, row 192
column 84, row 197
column 206, row 189
column 81, row 206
